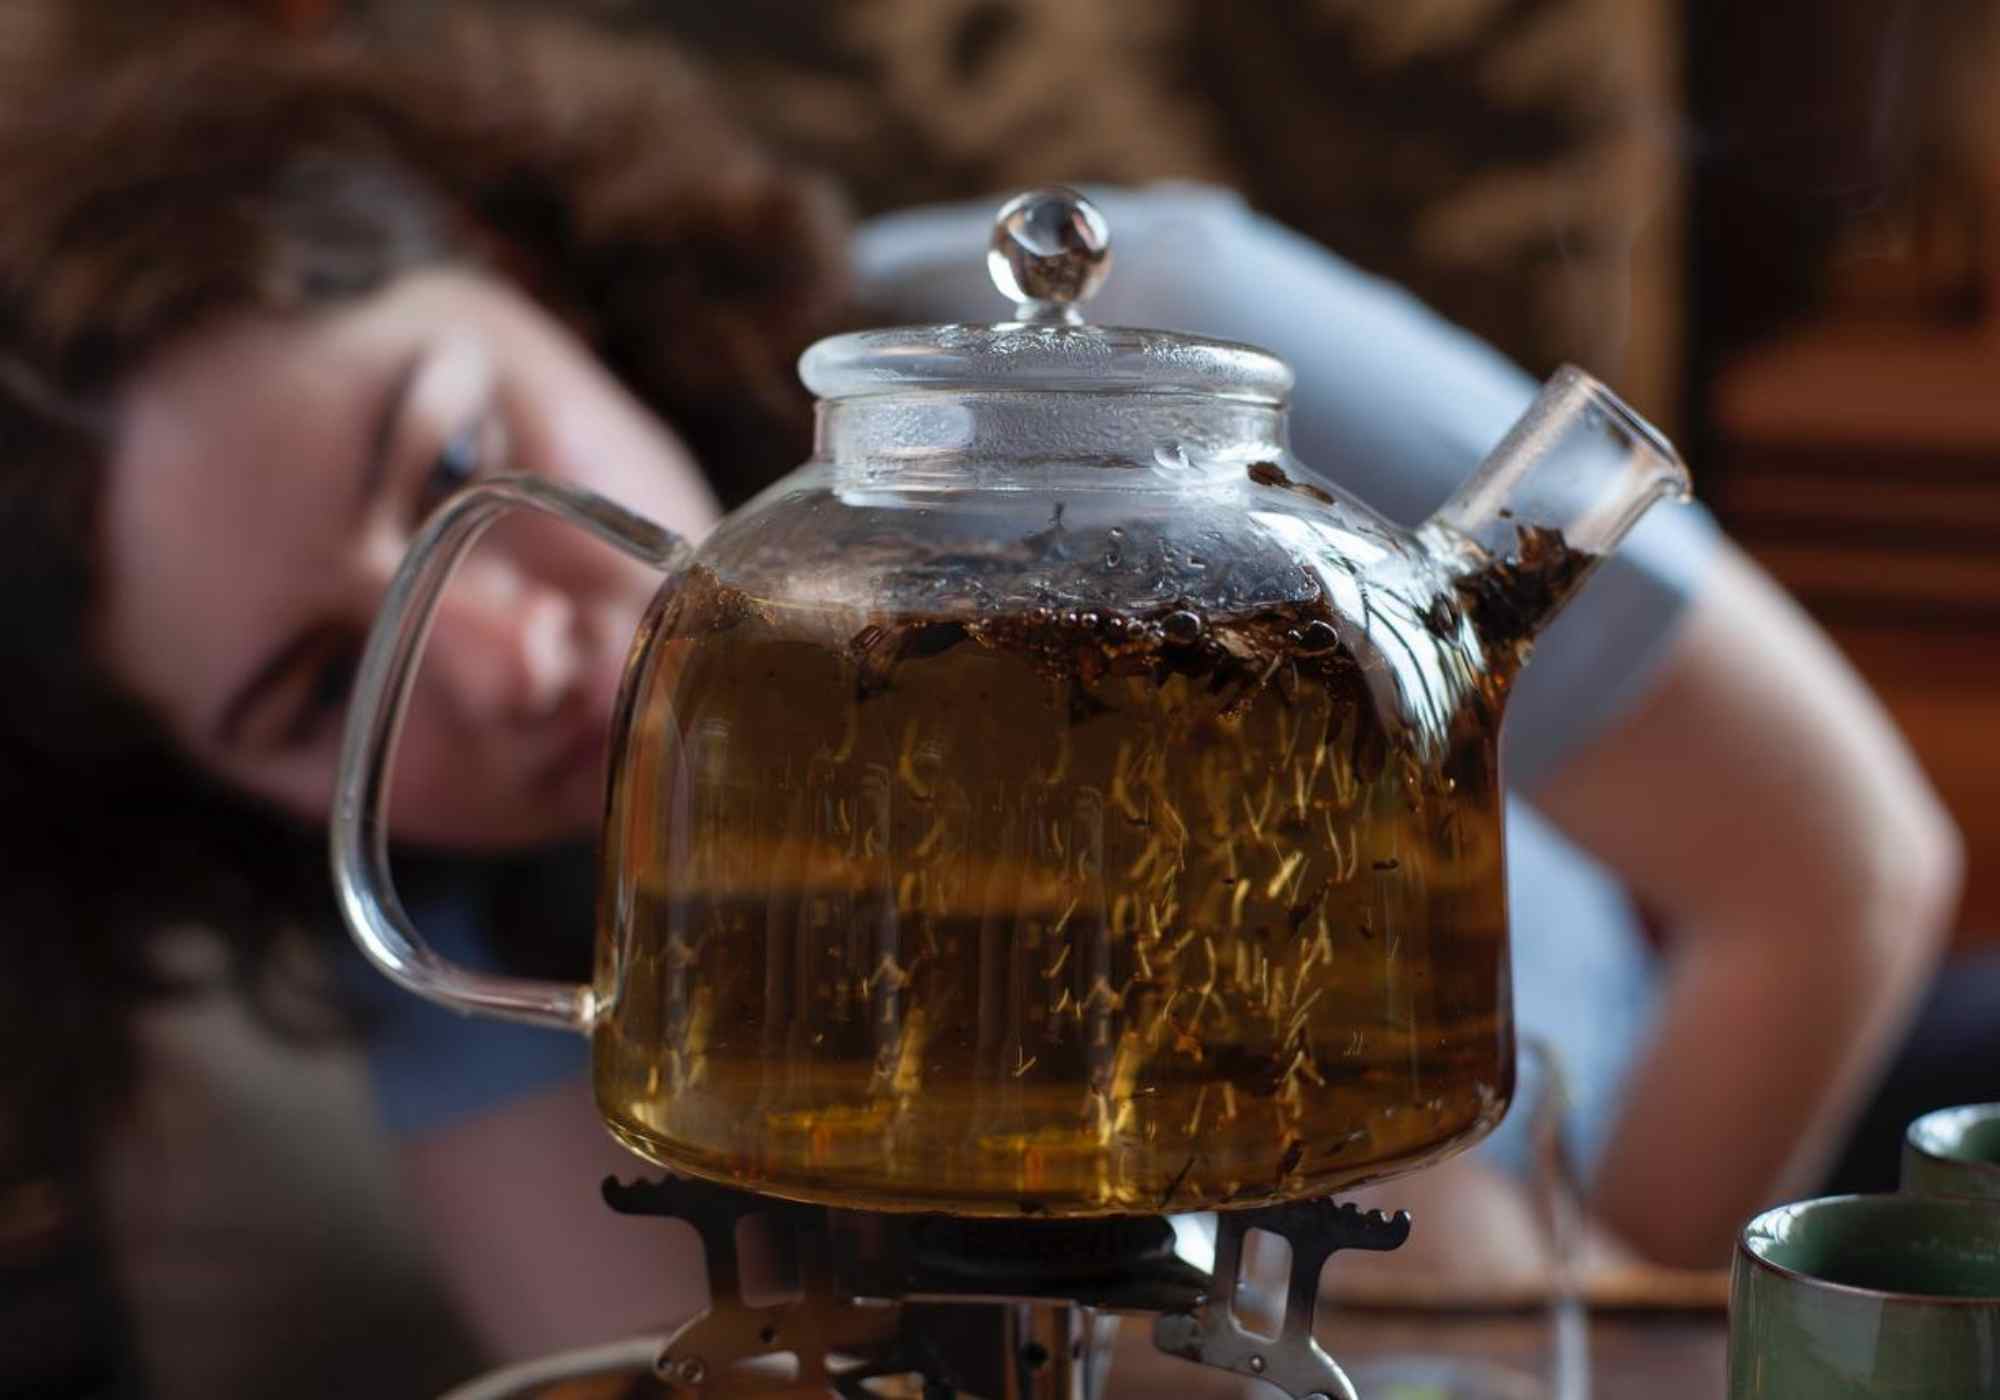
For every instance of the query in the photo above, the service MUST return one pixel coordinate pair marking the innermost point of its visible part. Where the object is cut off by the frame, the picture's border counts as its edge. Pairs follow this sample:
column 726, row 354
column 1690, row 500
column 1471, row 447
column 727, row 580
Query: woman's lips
column 579, row 755
column 584, row 727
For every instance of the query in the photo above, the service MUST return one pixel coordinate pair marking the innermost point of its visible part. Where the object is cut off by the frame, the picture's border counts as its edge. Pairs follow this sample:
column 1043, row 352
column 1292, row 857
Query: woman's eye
column 334, row 680
column 328, row 686
column 476, row 450
column 455, row 466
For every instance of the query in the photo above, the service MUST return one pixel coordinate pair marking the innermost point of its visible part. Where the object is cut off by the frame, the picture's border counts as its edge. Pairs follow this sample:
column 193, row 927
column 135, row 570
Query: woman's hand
column 1762, row 807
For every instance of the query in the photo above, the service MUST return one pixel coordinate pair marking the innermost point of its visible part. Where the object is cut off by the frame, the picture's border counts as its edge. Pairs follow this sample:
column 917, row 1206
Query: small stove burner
column 1006, row 1310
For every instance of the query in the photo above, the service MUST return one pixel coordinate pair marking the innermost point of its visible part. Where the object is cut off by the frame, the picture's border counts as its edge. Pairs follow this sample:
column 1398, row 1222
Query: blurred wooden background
column 1844, row 361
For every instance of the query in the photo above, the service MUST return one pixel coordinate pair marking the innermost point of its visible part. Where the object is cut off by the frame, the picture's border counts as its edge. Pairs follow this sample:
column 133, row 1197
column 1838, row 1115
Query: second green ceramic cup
column 1954, row 1152
column 1867, row 1297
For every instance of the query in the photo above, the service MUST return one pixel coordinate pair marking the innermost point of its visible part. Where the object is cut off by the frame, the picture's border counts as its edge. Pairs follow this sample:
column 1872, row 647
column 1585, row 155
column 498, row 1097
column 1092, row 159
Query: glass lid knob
column 1049, row 253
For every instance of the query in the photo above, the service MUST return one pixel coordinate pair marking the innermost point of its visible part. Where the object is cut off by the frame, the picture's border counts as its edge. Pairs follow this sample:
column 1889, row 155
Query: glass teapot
column 1052, row 798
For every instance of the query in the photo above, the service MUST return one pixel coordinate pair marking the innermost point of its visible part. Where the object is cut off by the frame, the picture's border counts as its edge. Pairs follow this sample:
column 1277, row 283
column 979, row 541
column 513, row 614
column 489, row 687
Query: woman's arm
column 534, row 1259
column 1759, row 803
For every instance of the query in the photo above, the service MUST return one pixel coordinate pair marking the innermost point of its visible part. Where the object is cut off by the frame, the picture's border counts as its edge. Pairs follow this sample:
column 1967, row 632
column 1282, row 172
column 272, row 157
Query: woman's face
column 269, row 474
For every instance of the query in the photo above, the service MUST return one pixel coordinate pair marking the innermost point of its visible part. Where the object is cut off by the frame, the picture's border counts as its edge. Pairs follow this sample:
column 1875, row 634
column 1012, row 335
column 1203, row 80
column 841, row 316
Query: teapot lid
column 1049, row 254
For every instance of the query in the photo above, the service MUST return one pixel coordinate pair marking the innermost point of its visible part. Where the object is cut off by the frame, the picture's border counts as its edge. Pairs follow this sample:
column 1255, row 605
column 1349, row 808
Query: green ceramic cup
column 1954, row 1152
column 1867, row 1296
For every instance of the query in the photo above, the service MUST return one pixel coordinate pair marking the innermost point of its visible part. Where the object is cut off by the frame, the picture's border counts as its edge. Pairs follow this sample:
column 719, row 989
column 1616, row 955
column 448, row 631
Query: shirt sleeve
column 1393, row 403
column 431, row 1068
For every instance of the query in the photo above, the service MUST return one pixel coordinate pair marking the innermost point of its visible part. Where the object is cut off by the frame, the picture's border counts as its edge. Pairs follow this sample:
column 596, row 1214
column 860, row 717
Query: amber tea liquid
column 1056, row 913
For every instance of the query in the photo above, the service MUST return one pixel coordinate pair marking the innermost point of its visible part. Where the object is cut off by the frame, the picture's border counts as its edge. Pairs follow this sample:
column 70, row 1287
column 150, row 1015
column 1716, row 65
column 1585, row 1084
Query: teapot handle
column 360, row 834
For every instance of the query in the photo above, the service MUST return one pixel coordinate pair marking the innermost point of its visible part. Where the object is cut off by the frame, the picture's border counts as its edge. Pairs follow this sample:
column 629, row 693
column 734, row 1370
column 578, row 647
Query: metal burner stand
column 1002, row 1309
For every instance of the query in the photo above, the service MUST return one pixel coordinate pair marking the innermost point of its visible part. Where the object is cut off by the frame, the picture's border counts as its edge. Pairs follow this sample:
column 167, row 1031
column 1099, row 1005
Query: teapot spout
column 1565, row 485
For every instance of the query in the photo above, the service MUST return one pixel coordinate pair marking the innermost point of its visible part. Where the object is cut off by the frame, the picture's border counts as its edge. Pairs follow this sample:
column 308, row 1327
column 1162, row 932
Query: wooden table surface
column 1640, row 1356
column 1672, row 1345
column 1633, row 1354
column 1649, row 1335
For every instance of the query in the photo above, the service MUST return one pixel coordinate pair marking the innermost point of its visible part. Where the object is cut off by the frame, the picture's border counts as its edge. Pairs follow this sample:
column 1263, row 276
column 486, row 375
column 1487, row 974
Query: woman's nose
column 504, row 648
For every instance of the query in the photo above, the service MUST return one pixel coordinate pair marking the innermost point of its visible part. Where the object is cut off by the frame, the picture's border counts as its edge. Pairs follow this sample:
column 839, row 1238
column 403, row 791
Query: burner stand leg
column 1050, row 1351
column 1213, row 1334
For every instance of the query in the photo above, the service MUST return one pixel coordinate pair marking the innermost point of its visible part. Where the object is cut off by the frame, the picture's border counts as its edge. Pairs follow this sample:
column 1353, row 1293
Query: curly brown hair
column 162, row 165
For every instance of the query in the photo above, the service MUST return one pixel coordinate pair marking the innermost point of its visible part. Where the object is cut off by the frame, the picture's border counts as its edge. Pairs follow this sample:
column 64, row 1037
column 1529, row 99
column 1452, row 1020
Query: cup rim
column 1924, row 1125
column 1884, row 1295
